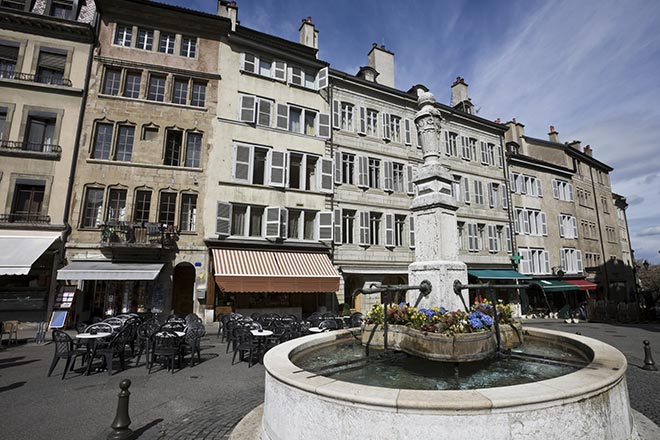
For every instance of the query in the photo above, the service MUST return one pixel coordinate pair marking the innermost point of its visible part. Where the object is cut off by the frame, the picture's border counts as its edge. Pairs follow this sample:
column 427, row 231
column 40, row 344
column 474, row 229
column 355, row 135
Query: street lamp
column 646, row 265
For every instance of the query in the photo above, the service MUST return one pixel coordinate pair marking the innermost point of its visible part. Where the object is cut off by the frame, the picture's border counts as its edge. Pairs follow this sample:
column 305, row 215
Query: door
column 183, row 291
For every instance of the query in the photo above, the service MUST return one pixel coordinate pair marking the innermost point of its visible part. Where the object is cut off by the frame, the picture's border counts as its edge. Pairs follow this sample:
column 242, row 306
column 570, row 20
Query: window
column 149, row 133
column 198, row 97
column 8, row 58
column 347, row 226
column 493, row 239
column 301, row 224
column 145, row 39
column 302, row 171
column 116, row 210
column 156, row 88
column 180, row 92
column 3, row 122
column 374, row 173
column 605, row 205
column 51, row 65
column 142, row 206
column 395, row 128
column 474, row 244
column 102, row 141
column 374, row 228
column 347, row 168
column 494, row 194
column 372, row 122
column 347, row 116
column 92, row 214
column 173, row 145
column 264, row 112
column 265, row 67
column 193, row 150
column 166, row 43
column 256, row 220
column 451, row 148
column 567, row 226
column 188, row 215
column 398, row 183
column 111, row 81
column 534, row 261
column 562, row 190
column 399, row 229
column 132, row 85
column 40, row 132
column 571, row 260
column 123, row 35
column 478, row 192
column 250, row 164
column 125, row 137
column 188, row 46
column 296, row 76
column 611, row 234
column 19, row 5
column 28, row 202
column 238, row 220
column 167, row 208
column 530, row 222
column 523, row 184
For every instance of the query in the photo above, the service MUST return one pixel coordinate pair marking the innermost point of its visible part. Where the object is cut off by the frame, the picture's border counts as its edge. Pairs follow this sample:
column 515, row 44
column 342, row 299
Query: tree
column 649, row 280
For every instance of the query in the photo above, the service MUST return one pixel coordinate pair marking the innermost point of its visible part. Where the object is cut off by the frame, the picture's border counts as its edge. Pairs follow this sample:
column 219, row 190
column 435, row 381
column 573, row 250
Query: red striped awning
column 583, row 284
column 238, row 270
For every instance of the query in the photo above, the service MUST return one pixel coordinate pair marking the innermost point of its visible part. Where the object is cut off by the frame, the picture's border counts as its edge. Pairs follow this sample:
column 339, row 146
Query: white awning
column 18, row 253
column 376, row 270
column 108, row 270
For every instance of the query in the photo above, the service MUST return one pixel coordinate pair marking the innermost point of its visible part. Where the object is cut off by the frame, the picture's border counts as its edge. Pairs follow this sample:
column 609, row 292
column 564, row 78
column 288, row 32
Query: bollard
column 649, row 363
column 578, row 333
column 120, row 429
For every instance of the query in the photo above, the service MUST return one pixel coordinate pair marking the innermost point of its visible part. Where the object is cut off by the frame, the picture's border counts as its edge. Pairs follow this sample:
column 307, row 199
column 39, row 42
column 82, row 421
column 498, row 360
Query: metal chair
column 173, row 326
column 164, row 344
column 64, row 349
column 116, row 348
column 191, row 342
column 144, row 333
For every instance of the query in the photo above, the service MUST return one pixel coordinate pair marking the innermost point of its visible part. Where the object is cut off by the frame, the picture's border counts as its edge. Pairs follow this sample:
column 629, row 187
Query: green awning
column 498, row 274
column 555, row 285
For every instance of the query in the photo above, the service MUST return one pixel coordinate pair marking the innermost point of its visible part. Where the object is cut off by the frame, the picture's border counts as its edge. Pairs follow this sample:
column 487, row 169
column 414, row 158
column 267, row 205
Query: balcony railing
column 25, row 218
column 31, row 147
column 138, row 235
column 43, row 79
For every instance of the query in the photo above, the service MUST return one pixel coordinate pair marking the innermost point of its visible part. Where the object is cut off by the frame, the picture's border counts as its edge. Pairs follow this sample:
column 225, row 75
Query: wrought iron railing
column 43, row 79
column 143, row 234
column 30, row 146
column 24, row 218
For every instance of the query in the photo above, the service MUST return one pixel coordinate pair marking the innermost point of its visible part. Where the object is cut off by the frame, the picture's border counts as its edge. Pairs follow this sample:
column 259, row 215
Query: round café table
column 94, row 338
column 261, row 336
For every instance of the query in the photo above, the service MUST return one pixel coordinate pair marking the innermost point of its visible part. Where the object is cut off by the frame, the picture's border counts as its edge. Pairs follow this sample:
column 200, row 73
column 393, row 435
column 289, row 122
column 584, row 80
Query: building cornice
column 46, row 26
column 157, row 67
column 528, row 161
column 571, row 152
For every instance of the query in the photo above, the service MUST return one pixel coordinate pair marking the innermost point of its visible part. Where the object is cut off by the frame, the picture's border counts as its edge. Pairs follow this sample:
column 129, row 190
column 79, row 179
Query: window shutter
column 223, row 219
column 562, row 259
column 447, row 147
column 364, row 228
column 51, row 60
column 524, row 262
column 578, row 257
column 336, row 113
column 325, row 176
column 273, row 222
column 520, row 184
column 498, row 156
column 561, row 225
column 509, row 242
column 279, row 70
column 389, row 230
column 324, row 222
column 362, row 126
column 555, row 189
column 492, row 195
column 363, row 165
column 484, row 153
column 411, row 229
column 525, row 225
column 575, row 227
column 248, row 107
column 512, row 182
column 277, row 160
column 387, row 175
column 410, row 180
column 505, row 199
column 242, row 162
column 544, row 224
column 570, row 192
column 282, row 117
column 337, row 226
column 466, row 189
column 407, row 123
column 324, row 125
column 539, row 188
column 322, row 79
column 546, row 261
column 338, row 169
column 386, row 126
column 491, row 238
column 249, row 62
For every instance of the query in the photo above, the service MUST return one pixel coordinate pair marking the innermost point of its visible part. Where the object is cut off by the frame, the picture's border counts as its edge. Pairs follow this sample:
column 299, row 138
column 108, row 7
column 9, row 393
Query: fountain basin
column 590, row 403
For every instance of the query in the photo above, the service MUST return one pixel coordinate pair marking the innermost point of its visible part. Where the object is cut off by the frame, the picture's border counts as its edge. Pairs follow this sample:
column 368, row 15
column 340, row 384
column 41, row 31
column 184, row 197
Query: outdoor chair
column 232, row 325
column 191, row 343
column 192, row 320
column 144, row 333
column 175, row 318
column 315, row 318
column 247, row 346
column 115, row 323
column 355, row 320
column 173, row 326
column 116, row 348
column 165, row 345
column 328, row 324
column 9, row 328
column 64, row 349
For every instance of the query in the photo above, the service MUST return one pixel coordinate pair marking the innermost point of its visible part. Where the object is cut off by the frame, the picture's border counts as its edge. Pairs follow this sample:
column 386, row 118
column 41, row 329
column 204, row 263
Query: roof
column 570, row 151
column 534, row 161
column 101, row 3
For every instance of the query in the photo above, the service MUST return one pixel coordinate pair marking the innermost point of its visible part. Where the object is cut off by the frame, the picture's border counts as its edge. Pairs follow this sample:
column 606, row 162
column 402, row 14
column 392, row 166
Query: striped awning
column 583, row 284
column 238, row 270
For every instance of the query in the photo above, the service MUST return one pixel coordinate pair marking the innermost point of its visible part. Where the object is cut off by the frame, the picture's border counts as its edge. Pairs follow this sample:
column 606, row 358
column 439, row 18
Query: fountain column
column 434, row 217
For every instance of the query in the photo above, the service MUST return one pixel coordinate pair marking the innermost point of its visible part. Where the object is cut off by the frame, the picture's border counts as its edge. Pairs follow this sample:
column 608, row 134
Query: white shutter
column 362, row 167
column 336, row 113
column 525, row 260
column 410, row 182
column 575, row 227
column 484, row 153
column 447, row 147
column 525, row 225
column 264, row 112
column 242, row 155
column 322, row 79
column 362, row 126
column 512, row 182
column 561, row 225
column 578, row 256
column 284, row 223
column 247, row 106
column 338, row 169
column 562, row 259
column 411, row 230
column 296, row 76
column 407, row 123
column 388, row 175
column 555, row 189
column 277, row 162
column 505, row 198
column 337, row 226
column 520, row 184
column 570, row 192
column 248, row 62
column 492, row 195
column 282, row 121
column 544, row 224
column 364, row 228
column 509, row 241
column 325, row 176
column 279, row 70
column 273, row 219
column 223, row 219
column 545, row 257
column 389, row 230
column 491, row 238
column 539, row 188
column 465, row 182
column 386, row 126
column 498, row 156
column 324, row 223
column 324, row 125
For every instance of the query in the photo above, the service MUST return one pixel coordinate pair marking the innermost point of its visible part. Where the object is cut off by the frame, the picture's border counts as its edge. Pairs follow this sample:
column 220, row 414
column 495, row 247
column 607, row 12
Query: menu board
column 64, row 299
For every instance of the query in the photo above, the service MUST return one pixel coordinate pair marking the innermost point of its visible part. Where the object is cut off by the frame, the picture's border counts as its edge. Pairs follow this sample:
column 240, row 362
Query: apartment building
column 45, row 48
column 268, row 225
column 137, row 213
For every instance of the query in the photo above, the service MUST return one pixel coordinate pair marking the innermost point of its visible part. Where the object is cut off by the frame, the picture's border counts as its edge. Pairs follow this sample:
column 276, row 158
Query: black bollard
column 649, row 363
column 578, row 333
column 120, row 429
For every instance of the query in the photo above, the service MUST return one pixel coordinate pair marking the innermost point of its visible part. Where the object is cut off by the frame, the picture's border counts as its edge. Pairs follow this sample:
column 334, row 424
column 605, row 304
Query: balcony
column 43, row 79
column 140, row 235
column 30, row 149
column 36, row 219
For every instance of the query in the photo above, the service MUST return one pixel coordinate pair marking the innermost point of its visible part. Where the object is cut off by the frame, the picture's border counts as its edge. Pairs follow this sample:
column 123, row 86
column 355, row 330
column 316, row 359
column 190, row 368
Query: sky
column 591, row 68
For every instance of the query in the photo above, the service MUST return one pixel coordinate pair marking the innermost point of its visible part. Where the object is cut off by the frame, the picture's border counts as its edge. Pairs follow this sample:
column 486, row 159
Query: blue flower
column 487, row 320
column 443, row 310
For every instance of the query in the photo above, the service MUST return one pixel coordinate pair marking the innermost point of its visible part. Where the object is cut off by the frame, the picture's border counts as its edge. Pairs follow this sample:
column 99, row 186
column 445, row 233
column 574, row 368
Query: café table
column 261, row 336
column 316, row 330
column 92, row 338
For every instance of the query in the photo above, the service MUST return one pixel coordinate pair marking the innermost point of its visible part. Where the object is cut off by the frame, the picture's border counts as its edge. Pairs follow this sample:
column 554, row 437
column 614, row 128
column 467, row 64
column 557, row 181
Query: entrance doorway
column 183, row 289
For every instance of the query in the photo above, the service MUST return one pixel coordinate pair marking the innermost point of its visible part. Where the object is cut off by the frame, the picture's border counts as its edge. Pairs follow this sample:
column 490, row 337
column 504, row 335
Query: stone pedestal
column 442, row 275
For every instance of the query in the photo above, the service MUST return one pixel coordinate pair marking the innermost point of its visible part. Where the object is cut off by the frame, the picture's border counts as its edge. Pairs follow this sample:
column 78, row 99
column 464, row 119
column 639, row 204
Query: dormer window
column 62, row 9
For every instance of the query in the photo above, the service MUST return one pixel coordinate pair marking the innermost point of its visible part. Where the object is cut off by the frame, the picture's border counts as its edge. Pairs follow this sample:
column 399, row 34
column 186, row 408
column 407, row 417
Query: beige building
column 45, row 48
column 137, row 211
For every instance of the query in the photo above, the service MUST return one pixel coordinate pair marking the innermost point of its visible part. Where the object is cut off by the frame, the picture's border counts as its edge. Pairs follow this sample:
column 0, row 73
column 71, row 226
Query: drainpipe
column 509, row 211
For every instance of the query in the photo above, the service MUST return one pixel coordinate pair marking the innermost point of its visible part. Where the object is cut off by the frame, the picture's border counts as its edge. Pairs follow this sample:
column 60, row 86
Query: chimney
column 515, row 132
column 309, row 36
column 575, row 145
column 553, row 135
column 588, row 151
column 382, row 60
column 228, row 10
column 459, row 96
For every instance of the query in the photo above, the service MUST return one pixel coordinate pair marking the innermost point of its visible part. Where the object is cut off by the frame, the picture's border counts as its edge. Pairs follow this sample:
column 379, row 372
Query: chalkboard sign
column 58, row 319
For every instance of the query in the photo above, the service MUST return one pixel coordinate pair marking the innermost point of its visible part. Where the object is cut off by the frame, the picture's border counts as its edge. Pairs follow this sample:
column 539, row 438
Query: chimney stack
column 553, row 135
column 459, row 95
column 575, row 145
column 588, row 151
column 228, row 10
column 382, row 60
column 309, row 36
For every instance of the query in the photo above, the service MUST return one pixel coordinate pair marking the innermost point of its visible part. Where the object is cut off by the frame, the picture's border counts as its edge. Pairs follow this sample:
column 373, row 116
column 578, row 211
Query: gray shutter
column 407, row 123
column 389, row 230
column 387, row 175
column 410, row 180
column 223, row 219
column 386, row 126
column 363, row 166
column 492, row 196
column 544, row 224
column 277, row 168
column 561, row 226
column 336, row 113
column 338, row 169
column 575, row 227
column 272, row 222
column 337, row 226
column 411, row 230
column 325, row 176
column 247, row 107
column 555, row 189
column 362, row 126
column 322, row 79
column 578, row 257
column 364, row 228
column 324, row 125
column 324, row 223
column 466, row 189
column 282, row 120
column 265, row 112
column 546, row 261
column 284, row 223
column 242, row 162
